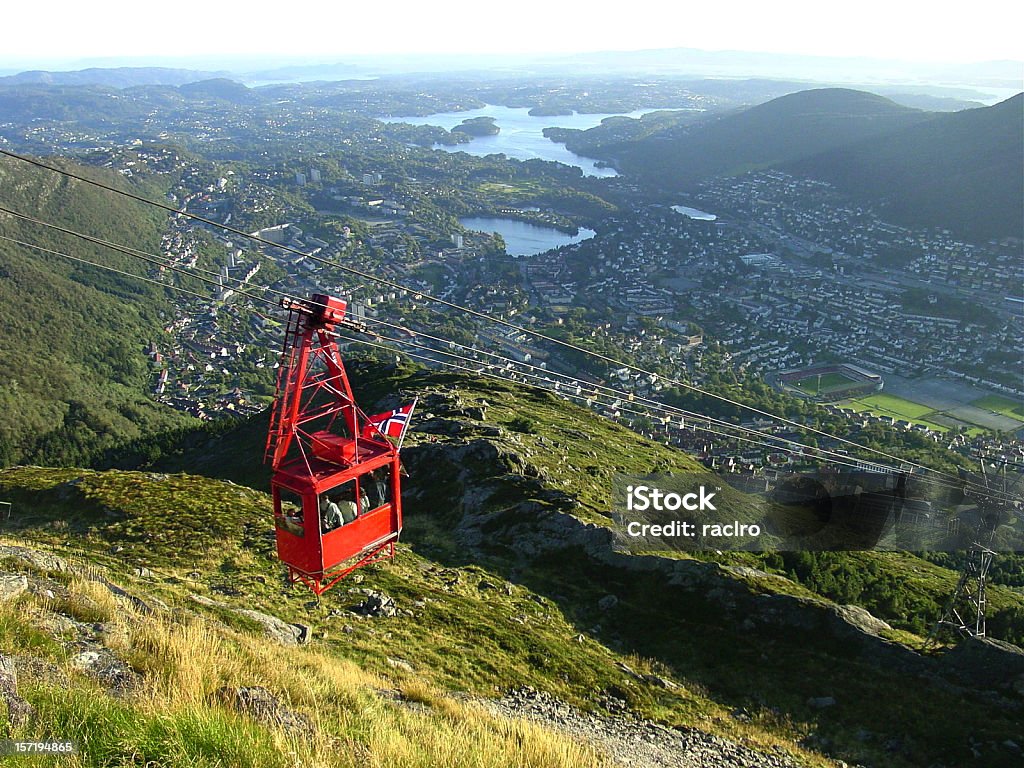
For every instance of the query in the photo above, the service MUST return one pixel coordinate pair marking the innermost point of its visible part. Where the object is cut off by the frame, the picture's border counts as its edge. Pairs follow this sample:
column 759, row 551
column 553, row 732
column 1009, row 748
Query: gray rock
column 858, row 619
column 401, row 664
column 38, row 559
column 661, row 682
column 821, row 702
column 376, row 604
column 102, row 665
column 12, row 585
column 277, row 629
column 263, row 706
column 607, row 602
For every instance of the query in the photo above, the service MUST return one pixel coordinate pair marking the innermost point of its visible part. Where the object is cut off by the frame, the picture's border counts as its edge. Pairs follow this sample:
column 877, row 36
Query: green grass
column 489, row 619
column 895, row 406
column 109, row 731
column 830, row 382
column 882, row 404
column 1004, row 406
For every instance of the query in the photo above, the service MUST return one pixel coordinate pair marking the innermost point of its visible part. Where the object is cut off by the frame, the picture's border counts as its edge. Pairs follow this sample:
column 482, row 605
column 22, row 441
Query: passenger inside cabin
column 364, row 500
column 347, row 504
column 378, row 483
column 291, row 521
column 330, row 514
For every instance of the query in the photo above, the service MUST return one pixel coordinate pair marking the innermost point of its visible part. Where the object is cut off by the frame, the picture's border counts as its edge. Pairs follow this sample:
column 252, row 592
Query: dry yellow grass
column 87, row 600
column 184, row 659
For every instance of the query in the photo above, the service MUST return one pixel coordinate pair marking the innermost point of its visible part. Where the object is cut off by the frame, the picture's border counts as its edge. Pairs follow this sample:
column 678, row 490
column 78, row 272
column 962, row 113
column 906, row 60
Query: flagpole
column 408, row 421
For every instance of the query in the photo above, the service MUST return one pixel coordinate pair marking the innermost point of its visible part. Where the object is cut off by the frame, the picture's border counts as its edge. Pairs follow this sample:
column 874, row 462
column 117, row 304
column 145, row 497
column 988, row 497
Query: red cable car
column 335, row 484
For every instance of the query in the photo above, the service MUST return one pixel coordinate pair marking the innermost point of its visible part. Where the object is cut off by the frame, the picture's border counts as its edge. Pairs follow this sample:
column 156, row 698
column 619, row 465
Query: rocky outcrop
column 103, row 666
column 497, row 504
column 274, row 628
column 376, row 604
column 989, row 661
column 261, row 705
column 19, row 711
column 12, row 585
column 38, row 559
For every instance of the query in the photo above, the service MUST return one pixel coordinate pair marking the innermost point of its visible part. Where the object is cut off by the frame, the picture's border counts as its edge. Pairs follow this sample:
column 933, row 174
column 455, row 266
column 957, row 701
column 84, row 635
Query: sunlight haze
column 117, row 31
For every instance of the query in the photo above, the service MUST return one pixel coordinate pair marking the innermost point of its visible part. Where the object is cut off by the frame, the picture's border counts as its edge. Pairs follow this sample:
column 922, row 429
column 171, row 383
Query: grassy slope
column 540, row 624
column 174, row 718
column 470, row 630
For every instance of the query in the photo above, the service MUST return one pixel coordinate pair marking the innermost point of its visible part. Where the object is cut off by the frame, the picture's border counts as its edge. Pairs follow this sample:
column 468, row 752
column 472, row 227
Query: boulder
column 12, row 585
column 376, row 604
column 279, row 630
column 18, row 710
column 607, row 602
column 102, row 665
column 261, row 705
column 44, row 561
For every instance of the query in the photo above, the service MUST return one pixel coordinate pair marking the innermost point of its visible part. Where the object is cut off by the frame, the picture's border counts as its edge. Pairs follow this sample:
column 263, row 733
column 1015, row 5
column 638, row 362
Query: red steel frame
column 308, row 459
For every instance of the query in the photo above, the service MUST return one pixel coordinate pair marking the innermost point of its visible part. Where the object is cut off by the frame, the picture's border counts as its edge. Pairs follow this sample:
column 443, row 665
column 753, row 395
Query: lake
column 522, row 134
column 523, row 238
column 693, row 213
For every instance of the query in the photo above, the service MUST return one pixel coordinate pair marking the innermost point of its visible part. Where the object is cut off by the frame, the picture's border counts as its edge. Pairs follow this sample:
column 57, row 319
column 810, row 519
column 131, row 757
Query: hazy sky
column 38, row 32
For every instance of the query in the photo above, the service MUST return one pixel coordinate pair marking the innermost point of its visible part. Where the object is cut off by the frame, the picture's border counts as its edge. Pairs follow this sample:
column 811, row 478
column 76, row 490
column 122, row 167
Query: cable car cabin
column 328, row 516
column 336, row 475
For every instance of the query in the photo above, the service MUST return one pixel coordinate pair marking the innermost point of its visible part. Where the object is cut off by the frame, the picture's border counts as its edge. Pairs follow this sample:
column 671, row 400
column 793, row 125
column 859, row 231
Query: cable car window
column 377, row 486
column 338, row 507
column 288, row 512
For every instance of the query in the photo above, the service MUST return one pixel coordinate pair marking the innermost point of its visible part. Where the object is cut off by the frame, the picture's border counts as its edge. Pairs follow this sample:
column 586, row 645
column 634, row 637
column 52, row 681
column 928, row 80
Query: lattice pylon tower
column 965, row 611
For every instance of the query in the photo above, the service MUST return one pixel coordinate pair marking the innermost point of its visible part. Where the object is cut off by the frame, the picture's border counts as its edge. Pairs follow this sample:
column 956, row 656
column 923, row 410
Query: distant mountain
column 780, row 131
column 87, row 103
column 960, row 171
column 931, row 103
column 219, row 88
column 305, row 73
column 119, row 77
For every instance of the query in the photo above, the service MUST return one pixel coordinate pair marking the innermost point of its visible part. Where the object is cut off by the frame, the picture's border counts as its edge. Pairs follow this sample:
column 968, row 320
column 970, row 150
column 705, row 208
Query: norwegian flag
column 392, row 424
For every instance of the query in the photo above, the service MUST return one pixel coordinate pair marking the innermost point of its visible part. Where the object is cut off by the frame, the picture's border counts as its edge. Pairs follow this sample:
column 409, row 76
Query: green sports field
column 882, row 404
column 1004, row 406
column 830, row 382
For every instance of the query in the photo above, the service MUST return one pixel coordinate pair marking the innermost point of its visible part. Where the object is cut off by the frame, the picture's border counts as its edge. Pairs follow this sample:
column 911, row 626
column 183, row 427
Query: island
column 550, row 110
column 478, row 126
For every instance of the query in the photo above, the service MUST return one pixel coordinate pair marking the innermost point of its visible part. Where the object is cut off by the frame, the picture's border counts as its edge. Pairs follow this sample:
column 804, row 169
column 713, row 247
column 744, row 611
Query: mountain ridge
column 762, row 136
column 960, row 168
column 950, row 170
column 71, row 393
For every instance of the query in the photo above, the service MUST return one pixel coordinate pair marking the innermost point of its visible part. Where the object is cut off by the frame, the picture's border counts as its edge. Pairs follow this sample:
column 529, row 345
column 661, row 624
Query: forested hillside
column 72, row 351
column 781, row 130
column 961, row 170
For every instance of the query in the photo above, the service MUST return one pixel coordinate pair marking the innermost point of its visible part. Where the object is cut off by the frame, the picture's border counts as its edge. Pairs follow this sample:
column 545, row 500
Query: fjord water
column 522, row 134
